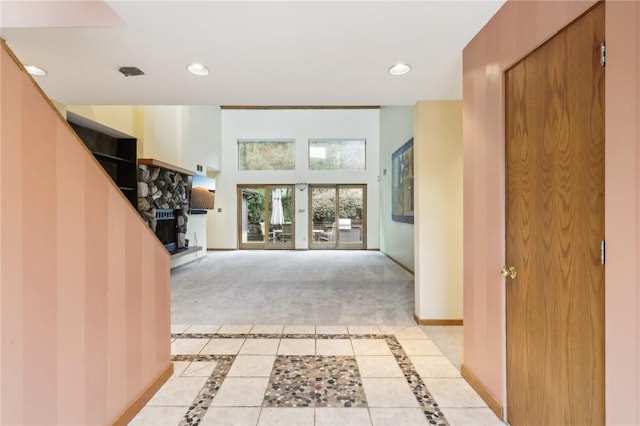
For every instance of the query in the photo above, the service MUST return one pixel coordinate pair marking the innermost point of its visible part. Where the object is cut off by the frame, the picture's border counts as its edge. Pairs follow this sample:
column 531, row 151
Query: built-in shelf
column 185, row 251
column 101, row 156
column 115, row 151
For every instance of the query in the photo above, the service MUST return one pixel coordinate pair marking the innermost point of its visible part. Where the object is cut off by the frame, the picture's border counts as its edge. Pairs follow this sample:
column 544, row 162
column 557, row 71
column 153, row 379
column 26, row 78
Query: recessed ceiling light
column 198, row 69
column 399, row 69
column 33, row 70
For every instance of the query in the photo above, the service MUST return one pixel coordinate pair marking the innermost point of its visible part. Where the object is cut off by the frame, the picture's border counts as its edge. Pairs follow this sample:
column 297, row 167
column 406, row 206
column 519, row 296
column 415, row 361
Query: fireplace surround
column 163, row 199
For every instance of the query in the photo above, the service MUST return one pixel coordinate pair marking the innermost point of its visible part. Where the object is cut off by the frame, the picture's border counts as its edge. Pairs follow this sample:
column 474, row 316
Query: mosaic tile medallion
column 315, row 381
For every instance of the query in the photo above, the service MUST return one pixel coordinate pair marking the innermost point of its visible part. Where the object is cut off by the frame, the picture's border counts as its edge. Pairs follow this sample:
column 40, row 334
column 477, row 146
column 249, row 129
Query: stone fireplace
column 163, row 199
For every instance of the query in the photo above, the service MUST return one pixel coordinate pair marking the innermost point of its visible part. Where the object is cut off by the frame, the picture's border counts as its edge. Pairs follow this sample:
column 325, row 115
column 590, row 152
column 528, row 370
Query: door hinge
column 603, row 54
column 602, row 252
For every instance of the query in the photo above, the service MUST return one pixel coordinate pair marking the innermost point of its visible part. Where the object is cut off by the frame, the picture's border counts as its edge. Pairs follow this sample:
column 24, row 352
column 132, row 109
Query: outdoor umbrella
column 277, row 211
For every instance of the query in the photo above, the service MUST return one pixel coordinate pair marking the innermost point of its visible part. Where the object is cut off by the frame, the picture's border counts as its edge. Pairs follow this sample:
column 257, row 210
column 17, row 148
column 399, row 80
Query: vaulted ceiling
column 258, row 52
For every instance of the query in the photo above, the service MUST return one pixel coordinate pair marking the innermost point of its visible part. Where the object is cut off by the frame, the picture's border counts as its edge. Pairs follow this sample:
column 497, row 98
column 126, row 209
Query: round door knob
column 510, row 272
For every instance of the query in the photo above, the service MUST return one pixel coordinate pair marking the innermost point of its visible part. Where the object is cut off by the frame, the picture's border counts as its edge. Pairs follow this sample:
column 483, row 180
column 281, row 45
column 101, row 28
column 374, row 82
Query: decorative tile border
column 425, row 399
column 275, row 336
column 202, row 402
column 198, row 409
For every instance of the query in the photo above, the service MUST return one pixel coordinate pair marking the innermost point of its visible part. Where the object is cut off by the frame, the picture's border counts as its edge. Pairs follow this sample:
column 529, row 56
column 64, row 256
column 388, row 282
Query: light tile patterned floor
column 311, row 375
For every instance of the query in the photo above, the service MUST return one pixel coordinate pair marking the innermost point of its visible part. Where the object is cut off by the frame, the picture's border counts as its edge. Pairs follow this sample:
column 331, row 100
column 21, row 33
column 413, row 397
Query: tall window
column 266, row 155
column 337, row 154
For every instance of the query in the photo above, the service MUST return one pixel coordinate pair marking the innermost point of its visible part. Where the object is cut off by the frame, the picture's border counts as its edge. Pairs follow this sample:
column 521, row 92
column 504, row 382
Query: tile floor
column 311, row 375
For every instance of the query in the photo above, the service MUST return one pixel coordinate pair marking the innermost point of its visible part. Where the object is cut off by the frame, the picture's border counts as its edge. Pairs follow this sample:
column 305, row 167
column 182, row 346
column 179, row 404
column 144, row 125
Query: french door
column 337, row 214
column 266, row 216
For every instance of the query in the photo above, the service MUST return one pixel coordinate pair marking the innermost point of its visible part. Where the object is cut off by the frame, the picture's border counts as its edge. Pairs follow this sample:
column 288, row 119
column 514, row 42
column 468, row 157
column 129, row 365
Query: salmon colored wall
column 1, row 236
column 84, row 284
column 517, row 29
column 622, row 213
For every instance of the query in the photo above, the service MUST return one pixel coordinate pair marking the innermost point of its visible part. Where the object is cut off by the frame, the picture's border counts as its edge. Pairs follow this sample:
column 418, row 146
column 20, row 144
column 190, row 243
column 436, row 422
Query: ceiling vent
column 130, row 71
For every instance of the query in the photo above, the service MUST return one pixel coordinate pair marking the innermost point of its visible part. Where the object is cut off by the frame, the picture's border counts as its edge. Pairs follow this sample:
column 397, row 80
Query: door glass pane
column 350, row 219
column 253, row 225
column 280, row 215
column 323, row 205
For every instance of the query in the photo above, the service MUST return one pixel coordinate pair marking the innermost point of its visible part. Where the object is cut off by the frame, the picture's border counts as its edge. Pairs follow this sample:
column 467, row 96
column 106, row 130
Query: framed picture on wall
column 402, row 183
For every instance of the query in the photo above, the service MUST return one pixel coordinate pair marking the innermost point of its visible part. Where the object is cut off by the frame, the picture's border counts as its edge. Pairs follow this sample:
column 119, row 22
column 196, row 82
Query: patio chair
column 286, row 232
column 272, row 234
column 329, row 235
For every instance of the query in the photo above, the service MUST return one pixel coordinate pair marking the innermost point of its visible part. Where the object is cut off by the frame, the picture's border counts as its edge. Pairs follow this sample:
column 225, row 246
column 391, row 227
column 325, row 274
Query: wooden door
column 554, row 227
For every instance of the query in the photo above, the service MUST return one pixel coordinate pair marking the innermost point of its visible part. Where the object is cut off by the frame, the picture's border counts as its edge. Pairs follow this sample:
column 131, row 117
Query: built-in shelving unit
column 115, row 151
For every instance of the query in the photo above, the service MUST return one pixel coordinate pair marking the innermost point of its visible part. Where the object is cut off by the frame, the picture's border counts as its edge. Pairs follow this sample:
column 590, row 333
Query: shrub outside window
column 337, row 154
column 266, row 155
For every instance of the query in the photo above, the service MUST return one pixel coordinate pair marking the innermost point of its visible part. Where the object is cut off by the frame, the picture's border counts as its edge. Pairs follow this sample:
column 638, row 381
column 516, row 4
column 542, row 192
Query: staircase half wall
column 84, row 283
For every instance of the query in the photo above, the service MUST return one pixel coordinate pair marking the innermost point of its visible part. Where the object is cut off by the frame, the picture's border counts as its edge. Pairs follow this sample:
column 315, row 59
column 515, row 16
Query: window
column 266, row 155
column 337, row 154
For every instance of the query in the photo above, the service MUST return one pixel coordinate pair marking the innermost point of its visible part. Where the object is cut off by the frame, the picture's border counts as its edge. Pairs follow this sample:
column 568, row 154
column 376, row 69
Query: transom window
column 337, row 154
column 266, row 155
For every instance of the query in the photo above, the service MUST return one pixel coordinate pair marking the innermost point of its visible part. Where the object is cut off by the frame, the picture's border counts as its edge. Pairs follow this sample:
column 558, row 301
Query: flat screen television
column 203, row 193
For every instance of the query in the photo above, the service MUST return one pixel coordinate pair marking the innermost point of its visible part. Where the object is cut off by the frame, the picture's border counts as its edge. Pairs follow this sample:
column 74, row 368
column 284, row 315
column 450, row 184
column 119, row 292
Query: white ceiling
column 260, row 52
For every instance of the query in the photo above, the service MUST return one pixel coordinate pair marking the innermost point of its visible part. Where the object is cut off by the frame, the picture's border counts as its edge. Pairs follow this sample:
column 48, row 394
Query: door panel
column 350, row 216
column 338, row 216
column 280, row 215
column 554, row 225
column 251, row 217
column 265, row 216
column 323, row 216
